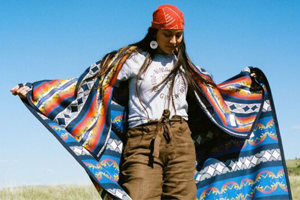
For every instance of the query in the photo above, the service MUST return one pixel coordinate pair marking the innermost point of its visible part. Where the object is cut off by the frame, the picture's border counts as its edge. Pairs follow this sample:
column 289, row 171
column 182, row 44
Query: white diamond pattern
column 267, row 155
column 119, row 193
column 247, row 163
column 266, row 106
column 115, row 145
column 210, row 170
column 79, row 150
column 276, row 155
column 237, row 165
column 243, row 108
column 219, row 167
column 254, row 160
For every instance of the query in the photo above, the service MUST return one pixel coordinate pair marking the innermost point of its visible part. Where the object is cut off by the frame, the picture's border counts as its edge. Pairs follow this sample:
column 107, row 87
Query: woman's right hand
column 20, row 91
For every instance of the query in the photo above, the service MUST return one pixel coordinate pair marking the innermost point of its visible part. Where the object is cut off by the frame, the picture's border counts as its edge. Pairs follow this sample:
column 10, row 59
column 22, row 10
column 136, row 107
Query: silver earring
column 153, row 44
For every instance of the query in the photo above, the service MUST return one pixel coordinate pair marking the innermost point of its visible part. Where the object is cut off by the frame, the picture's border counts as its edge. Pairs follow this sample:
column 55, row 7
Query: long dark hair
column 182, row 60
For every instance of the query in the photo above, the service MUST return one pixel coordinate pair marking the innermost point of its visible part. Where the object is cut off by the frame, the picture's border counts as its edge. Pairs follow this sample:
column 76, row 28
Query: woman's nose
column 173, row 40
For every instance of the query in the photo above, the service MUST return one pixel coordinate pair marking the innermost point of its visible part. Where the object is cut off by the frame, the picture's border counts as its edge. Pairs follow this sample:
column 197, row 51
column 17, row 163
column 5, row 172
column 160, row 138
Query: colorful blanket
column 239, row 150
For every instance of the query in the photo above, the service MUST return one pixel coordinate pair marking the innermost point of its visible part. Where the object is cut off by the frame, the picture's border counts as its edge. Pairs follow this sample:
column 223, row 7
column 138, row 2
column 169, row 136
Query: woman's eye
column 167, row 35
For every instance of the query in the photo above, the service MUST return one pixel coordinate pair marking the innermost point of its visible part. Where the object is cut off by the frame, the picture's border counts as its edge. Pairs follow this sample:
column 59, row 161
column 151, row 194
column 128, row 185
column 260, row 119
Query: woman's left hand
column 254, row 75
column 257, row 74
column 20, row 91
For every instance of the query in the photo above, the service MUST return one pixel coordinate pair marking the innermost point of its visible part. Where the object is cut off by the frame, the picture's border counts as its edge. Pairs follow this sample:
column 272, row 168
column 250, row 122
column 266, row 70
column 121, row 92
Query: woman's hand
column 256, row 74
column 253, row 75
column 20, row 91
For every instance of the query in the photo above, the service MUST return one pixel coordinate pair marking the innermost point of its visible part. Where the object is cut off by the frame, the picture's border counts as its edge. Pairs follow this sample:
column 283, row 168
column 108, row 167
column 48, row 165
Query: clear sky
column 43, row 39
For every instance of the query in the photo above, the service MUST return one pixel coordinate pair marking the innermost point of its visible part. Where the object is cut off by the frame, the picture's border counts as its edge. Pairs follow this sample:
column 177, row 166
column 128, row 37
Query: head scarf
column 168, row 17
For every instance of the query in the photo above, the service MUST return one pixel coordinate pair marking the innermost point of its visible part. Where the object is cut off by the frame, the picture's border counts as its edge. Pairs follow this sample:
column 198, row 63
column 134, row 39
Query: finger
column 14, row 89
column 22, row 91
column 17, row 91
column 254, row 75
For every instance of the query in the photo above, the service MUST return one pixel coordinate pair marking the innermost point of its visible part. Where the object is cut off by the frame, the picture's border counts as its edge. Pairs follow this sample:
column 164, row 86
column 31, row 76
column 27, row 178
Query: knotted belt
column 162, row 130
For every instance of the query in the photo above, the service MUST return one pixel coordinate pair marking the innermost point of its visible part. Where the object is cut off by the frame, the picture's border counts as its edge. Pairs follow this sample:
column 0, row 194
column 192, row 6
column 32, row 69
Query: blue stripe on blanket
column 84, row 110
column 53, row 91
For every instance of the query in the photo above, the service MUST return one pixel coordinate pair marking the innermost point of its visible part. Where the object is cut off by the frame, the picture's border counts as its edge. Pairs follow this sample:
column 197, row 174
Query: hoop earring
column 153, row 44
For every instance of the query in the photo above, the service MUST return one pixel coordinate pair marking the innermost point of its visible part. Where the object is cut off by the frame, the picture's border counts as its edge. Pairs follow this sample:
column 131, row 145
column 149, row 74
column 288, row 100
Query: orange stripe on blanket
column 87, row 121
column 96, row 137
column 242, row 94
column 221, row 104
column 49, row 85
column 56, row 101
column 246, row 80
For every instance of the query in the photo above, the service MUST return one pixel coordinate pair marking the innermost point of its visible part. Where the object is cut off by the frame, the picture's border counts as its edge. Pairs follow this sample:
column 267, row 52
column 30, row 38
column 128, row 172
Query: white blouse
column 155, row 102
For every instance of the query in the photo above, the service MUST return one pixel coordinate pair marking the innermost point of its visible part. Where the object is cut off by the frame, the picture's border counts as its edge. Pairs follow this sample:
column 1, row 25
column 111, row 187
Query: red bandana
column 168, row 17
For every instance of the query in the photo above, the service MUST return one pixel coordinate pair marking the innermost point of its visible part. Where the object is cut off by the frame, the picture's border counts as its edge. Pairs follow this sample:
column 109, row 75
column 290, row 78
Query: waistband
column 175, row 118
column 162, row 130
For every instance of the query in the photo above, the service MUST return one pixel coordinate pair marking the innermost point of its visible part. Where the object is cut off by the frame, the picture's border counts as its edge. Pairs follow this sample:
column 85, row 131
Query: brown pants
column 159, row 161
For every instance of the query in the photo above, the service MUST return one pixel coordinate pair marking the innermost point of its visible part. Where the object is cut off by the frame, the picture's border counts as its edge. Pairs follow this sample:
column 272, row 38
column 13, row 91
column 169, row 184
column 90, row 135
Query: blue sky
column 60, row 39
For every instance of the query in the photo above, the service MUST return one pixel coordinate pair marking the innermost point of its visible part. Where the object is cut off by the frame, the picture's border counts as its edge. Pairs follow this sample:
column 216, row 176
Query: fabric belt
column 162, row 130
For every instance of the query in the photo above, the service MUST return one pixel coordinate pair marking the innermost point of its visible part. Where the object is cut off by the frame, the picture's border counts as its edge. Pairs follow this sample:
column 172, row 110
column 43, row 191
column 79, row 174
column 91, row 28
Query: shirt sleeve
column 131, row 67
column 126, row 72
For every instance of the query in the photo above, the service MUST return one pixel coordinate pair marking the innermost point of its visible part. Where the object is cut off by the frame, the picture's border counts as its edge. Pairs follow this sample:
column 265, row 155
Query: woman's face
column 168, row 40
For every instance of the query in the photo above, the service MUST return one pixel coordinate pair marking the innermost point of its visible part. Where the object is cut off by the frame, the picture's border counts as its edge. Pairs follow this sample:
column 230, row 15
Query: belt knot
column 162, row 130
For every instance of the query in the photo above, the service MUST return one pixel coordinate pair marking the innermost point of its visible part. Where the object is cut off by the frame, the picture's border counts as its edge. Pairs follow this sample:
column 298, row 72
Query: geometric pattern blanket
column 234, row 125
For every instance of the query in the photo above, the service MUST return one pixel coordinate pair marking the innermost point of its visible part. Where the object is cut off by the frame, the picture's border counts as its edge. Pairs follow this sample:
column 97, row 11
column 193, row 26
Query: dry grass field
column 88, row 192
column 295, row 184
column 59, row 192
column 294, row 176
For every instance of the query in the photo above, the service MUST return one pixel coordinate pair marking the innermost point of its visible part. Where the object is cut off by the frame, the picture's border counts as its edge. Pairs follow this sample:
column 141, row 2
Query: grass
column 59, row 192
column 295, row 186
column 294, row 176
column 83, row 192
column 293, row 166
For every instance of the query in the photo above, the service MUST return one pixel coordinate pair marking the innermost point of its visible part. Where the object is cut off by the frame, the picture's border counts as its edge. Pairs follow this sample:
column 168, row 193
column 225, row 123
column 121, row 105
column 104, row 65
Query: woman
column 159, row 156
